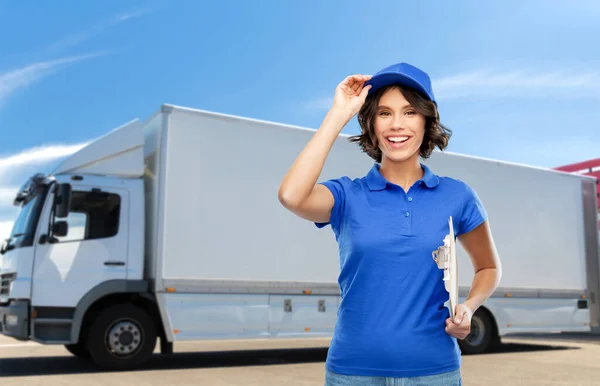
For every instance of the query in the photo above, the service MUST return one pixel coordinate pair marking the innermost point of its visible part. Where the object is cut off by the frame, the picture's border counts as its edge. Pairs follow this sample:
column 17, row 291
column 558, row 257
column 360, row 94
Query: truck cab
column 76, row 243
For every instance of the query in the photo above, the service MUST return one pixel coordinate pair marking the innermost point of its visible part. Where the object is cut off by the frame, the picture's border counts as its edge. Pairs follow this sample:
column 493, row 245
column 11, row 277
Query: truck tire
column 122, row 337
column 483, row 334
column 79, row 350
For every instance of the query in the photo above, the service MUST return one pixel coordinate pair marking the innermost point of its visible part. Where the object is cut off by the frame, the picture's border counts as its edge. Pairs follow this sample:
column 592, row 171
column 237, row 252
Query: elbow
column 496, row 269
column 286, row 199
column 497, row 266
column 491, row 273
column 498, row 273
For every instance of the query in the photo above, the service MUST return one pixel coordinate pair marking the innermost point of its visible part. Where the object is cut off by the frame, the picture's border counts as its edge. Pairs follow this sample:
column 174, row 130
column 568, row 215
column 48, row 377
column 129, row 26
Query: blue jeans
column 452, row 378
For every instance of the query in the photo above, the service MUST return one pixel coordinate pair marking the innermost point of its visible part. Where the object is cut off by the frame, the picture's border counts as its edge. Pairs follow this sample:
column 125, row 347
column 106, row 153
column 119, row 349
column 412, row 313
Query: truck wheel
column 482, row 334
column 122, row 337
column 78, row 349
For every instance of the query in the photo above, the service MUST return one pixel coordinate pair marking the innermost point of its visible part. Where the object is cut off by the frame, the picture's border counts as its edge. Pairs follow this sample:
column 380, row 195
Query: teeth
column 397, row 139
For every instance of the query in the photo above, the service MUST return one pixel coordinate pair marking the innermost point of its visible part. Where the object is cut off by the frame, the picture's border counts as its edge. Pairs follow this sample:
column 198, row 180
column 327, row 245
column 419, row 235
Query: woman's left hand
column 460, row 326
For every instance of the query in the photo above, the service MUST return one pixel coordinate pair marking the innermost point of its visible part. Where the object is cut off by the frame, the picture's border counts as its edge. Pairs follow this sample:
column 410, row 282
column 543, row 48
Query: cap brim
column 386, row 79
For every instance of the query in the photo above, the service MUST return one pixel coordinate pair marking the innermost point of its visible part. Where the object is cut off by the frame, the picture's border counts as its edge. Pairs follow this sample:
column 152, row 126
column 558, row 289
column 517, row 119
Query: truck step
column 52, row 321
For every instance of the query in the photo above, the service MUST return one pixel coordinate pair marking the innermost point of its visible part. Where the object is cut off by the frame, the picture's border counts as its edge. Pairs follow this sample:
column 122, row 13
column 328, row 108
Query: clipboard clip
column 442, row 258
column 445, row 258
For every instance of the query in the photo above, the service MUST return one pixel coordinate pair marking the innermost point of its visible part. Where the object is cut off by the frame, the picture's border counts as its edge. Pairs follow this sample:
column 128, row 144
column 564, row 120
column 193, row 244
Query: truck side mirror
column 60, row 229
column 62, row 201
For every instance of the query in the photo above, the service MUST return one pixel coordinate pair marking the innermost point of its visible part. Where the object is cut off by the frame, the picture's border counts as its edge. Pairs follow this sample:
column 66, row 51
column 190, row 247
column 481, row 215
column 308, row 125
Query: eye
column 410, row 112
column 384, row 113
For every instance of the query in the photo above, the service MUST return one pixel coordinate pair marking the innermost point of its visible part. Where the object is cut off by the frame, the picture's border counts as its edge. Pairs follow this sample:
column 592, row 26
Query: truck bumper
column 14, row 320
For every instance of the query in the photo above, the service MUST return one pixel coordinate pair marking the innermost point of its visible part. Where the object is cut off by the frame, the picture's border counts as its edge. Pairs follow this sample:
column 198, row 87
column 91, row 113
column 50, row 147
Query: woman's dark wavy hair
column 436, row 134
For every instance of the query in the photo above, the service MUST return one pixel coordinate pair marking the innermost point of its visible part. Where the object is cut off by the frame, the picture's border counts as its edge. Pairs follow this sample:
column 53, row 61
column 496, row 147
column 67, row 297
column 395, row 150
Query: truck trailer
column 171, row 230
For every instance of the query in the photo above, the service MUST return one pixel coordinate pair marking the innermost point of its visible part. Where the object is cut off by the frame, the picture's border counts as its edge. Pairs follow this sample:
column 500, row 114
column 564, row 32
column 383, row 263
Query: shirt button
column 407, row 214
column 410, row 199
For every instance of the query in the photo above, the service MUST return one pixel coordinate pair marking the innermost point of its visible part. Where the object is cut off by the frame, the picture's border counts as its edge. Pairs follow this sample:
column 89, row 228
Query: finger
column 365, row 91
column 356, row 81
column 349, row 85
column 357, row 84
column 346, row 82
column 347, row 89
column 350, row 78
column 455, row 333
column 459, row 317
column 450, row 332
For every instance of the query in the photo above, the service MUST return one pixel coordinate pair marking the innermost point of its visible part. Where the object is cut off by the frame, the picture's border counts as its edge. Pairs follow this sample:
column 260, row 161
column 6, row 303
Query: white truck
column 171, row 230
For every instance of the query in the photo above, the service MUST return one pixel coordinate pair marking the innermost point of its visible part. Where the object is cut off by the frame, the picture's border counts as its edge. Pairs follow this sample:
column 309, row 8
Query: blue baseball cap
column 403, row 74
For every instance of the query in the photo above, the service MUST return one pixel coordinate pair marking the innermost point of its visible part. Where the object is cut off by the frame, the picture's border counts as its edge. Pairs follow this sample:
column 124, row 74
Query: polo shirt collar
column 376, row 181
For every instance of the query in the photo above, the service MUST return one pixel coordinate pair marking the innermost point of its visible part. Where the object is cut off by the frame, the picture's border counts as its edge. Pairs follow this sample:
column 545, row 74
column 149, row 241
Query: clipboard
column 445, row 257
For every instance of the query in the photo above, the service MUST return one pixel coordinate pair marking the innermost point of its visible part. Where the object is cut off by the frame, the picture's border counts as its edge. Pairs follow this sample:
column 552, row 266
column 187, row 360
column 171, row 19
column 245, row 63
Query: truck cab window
column 92, row 215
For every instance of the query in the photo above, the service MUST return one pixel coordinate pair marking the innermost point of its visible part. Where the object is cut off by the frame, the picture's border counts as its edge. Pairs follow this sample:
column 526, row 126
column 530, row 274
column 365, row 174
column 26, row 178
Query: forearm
column 306, row 169
column 484, row 284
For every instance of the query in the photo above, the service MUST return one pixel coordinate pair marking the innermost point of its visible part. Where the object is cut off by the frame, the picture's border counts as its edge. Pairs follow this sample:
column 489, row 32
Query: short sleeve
column 473, row 211
column 336, row 187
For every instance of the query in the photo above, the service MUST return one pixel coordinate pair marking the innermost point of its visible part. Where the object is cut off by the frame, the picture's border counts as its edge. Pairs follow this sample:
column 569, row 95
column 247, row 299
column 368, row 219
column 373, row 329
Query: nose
column 398, row 122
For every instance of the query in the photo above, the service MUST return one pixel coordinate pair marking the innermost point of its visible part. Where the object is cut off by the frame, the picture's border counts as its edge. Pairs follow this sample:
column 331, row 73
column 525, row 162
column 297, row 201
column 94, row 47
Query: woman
column 392, row 323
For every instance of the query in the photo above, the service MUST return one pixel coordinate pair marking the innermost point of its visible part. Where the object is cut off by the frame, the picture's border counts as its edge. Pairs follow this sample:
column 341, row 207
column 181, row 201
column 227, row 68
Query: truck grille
column 5, row 280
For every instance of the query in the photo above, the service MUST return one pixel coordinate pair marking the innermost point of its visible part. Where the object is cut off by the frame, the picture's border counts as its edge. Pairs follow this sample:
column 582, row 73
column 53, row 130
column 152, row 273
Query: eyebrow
column 387, row 107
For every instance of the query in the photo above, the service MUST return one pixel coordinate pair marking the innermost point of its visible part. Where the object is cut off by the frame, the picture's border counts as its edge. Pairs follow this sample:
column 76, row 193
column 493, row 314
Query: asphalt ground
column 561, row 359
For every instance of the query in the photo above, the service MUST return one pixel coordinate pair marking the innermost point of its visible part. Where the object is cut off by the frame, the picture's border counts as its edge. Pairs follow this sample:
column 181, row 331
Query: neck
column 404, row 173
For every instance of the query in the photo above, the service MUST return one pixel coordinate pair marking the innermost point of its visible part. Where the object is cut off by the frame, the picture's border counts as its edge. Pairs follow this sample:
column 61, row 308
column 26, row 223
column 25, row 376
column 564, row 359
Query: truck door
column 93, row 250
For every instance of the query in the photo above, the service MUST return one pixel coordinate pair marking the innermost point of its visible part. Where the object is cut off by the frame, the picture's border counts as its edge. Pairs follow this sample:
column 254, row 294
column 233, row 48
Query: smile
column 399, row 141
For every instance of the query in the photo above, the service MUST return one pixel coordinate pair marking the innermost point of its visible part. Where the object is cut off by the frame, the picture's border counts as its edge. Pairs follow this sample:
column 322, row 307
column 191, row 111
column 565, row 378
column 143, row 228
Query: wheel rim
column 124, row 338
column 477, row 335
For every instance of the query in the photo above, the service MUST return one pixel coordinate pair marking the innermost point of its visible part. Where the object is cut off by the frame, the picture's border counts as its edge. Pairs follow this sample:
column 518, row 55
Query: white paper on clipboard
column 445, row 257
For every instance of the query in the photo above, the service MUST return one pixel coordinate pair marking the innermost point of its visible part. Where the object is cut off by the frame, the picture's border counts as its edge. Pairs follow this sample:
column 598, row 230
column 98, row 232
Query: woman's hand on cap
column 351, row 93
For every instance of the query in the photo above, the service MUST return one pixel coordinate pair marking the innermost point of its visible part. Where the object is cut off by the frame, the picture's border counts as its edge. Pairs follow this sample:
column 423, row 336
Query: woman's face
column 399, row 128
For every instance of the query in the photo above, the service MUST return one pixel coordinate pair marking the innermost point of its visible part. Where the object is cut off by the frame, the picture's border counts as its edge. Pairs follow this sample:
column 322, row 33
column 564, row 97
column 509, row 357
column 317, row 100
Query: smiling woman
column 392, row 325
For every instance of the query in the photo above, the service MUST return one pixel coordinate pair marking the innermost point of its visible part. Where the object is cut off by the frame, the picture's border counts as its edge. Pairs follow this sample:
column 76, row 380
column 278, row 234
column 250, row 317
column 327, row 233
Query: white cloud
column 7, row 194
column 34, row 157
column 519, row 83
column 22, row 77
column 96, row 29
column 5, row 228
column 132, row 15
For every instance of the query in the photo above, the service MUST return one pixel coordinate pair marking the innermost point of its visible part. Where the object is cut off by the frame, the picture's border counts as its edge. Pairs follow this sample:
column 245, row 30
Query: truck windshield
column 25, row 224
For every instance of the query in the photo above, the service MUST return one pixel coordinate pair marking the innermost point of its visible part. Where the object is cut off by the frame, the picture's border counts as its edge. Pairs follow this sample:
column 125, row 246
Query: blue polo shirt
column 391, row 318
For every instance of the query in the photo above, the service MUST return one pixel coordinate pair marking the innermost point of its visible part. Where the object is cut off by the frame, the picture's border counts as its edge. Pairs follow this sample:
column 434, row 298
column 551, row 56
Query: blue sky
column 516, row 81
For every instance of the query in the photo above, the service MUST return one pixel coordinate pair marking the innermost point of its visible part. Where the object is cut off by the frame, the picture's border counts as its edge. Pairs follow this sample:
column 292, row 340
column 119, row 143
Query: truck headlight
column 12, row 320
